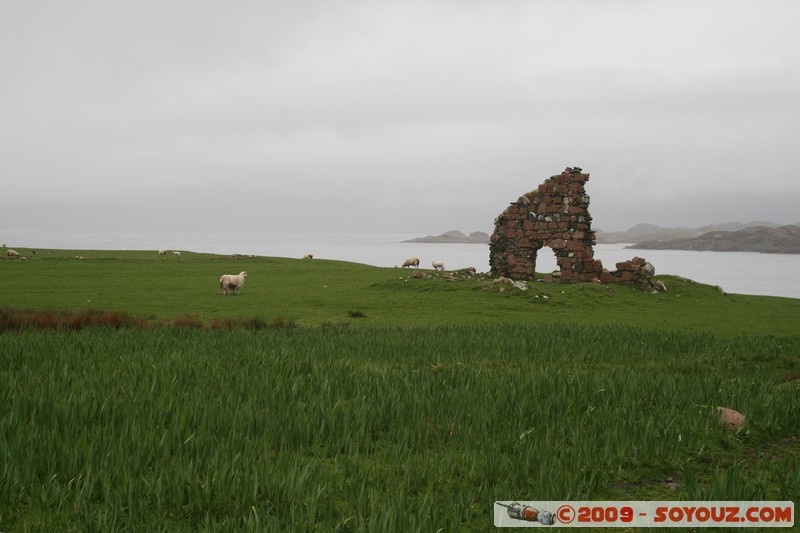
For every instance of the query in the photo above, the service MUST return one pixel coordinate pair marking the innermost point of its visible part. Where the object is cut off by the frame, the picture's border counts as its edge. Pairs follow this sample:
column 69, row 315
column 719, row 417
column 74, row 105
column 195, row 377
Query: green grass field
column 317, row 292
column 362, row 400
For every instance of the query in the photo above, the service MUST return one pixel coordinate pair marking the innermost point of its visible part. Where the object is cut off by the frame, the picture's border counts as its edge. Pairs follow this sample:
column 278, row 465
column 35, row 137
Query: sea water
column 733, row 272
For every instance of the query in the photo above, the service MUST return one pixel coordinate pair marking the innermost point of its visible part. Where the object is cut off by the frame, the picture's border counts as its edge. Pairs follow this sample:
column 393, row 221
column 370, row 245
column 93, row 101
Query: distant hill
column 649, row 232
column 766, row 237
column 773, row 240
column 455, row 236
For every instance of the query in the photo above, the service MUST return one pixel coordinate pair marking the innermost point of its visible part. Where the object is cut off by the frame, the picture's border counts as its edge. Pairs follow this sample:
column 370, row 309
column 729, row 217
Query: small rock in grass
column 729, row 417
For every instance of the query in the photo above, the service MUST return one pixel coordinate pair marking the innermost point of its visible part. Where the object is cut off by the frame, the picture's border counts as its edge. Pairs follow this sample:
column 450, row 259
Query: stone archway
column 543, row 259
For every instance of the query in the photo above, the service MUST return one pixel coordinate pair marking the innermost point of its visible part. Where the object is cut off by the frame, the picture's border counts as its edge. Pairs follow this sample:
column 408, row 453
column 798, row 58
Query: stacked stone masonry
column 555, row 216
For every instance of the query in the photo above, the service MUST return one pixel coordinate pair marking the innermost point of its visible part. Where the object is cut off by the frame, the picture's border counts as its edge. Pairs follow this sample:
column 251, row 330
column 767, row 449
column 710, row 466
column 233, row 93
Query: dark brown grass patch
column 19, row 319
column 22, row 319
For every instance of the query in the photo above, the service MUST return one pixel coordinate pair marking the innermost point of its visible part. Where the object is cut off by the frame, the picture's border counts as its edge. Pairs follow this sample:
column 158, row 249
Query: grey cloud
column 447, row 110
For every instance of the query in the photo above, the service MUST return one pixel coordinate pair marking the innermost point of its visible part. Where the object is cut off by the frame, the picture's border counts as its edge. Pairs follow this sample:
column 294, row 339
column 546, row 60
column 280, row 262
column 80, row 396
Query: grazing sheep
column 308, row 256
column 162, row 252
column 411, row 261
column 438, row 265
column 12, row 254
column 231, row 283
column 177, row 254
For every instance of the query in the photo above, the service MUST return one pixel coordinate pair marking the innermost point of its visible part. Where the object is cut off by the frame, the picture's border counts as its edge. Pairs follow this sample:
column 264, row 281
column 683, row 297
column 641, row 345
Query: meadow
column 341, row 397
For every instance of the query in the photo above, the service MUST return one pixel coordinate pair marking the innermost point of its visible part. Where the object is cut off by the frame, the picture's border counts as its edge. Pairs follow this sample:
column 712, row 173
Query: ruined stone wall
column 554, row 218
column 551, row 219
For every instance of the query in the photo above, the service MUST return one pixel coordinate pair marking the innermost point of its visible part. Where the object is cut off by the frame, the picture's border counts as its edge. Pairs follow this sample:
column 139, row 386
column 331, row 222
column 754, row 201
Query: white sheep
column 177, row 255
column 308, row 256
column 438, row 265
column 411, row 261
column 162, row 252
column 12, row 254
column 231, row 283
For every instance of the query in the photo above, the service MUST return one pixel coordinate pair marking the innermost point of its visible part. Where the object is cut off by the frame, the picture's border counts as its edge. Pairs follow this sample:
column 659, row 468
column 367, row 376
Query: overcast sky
column 398, row 116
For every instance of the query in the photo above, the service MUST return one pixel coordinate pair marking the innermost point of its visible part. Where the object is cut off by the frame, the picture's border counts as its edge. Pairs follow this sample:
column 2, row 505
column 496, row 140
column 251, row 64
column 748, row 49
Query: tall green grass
column 377, row 429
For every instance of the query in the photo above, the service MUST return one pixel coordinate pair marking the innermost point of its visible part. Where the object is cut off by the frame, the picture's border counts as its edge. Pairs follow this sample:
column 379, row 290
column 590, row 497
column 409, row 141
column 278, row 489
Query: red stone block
column 588, row 276
column 563, row 177
column 625, row 266
column 638, row 261
column 528, row 225
column 627, row 276
column 511, row 233
column 575, row 209
column 607, row 277
column 567, row 275
column 574, row 245
column 524, row 243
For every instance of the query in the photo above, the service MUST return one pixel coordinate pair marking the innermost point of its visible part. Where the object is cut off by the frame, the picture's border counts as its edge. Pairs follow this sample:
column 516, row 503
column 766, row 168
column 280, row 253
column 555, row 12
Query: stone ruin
column 556, row 216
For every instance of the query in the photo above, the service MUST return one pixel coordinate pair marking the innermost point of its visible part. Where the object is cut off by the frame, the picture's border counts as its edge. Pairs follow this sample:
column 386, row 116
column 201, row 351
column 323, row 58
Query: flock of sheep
column 228, row 283
column 414, row 261
column 231, row 283
column 162, row 252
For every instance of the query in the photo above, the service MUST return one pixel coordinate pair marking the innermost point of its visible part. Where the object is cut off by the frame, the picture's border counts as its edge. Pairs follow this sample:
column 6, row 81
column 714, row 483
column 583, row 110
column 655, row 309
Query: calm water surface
column 734, row 272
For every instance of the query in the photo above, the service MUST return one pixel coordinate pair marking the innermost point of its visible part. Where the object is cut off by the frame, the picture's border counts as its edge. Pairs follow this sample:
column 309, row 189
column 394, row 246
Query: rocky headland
column 771, row 240
column 651, row 232
column 765, row 237
column 454, row 236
